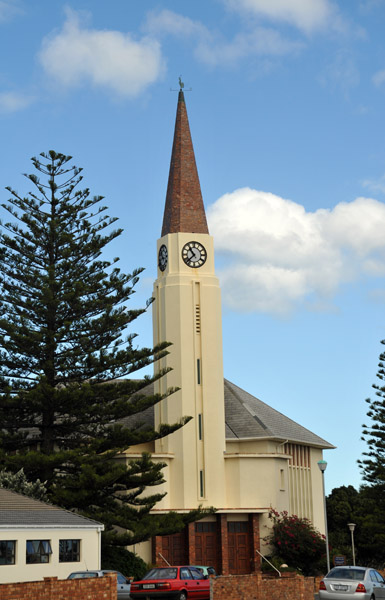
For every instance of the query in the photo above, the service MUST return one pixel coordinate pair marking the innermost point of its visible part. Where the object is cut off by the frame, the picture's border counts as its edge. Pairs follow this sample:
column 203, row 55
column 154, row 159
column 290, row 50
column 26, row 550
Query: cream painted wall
column 254, row 481
column 316, row 484
column 20, row 571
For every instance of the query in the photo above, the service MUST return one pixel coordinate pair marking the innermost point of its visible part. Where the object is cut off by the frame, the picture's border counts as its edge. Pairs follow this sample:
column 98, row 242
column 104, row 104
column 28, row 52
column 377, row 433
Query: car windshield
column 355, row 574
column 161, row 574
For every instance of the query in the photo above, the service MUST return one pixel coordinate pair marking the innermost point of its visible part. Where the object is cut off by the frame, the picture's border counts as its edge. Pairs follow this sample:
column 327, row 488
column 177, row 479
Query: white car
column 352, row 583
column 124, row 585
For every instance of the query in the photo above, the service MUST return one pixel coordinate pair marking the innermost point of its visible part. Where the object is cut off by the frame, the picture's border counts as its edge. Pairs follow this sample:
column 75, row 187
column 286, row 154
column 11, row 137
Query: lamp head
column 322, row 464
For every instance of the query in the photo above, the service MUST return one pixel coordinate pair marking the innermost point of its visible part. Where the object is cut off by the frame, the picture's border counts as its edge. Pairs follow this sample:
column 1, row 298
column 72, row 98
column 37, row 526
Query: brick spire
column 184, row 210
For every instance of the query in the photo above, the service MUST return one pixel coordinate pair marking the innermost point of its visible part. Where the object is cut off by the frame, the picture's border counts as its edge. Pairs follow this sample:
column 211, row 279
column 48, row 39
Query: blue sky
column 287, row 118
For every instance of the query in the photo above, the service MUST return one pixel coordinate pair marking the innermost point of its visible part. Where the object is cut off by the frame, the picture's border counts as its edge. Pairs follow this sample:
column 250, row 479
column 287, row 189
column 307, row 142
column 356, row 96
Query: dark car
column 172, row 582
column 348, row 583
column 124, row 584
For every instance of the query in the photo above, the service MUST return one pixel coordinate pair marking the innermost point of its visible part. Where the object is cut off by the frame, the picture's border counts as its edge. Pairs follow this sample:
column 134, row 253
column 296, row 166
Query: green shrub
column 297, row 542
column 120, row 559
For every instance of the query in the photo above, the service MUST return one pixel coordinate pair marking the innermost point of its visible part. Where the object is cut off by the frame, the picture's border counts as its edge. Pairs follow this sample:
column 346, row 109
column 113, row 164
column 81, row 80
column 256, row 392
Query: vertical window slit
column 197, row 318
column 201, row 483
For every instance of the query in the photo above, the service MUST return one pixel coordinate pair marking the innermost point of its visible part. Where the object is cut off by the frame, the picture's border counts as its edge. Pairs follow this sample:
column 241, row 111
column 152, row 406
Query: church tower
column 187, row 313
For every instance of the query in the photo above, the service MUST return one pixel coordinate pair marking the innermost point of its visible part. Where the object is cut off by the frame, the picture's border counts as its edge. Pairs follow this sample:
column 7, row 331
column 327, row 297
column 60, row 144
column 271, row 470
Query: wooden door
column 175, row 548
column 206, row 544
column 239, row 547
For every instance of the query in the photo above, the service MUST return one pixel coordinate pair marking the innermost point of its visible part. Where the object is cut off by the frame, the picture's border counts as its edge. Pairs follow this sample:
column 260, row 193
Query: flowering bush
column 296, row 542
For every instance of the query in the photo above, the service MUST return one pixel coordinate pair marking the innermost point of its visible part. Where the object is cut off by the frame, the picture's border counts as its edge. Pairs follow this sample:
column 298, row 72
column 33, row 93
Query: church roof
column 246, row 417
column 249, row 417
column 17, row 510
column 184, row 210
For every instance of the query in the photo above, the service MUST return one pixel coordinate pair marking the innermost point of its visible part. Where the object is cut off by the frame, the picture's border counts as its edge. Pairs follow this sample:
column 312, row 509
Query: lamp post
column 322, row 464
column 352, row 527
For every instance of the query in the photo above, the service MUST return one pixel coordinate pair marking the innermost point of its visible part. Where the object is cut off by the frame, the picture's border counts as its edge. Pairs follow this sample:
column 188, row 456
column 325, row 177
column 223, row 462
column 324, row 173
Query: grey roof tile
column 249, row 417
column 22, row 511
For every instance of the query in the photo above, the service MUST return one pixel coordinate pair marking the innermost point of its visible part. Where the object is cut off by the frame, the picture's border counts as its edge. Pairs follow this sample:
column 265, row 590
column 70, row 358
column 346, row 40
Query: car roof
column 349, row 567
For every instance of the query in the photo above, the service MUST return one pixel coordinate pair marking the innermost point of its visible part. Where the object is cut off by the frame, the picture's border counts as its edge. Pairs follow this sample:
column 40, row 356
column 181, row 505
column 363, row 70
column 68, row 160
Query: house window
column 38, row 551
column 7, row 552
column 69, row 550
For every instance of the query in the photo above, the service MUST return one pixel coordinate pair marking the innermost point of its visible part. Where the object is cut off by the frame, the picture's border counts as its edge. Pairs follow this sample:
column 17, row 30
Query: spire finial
column 181, row 84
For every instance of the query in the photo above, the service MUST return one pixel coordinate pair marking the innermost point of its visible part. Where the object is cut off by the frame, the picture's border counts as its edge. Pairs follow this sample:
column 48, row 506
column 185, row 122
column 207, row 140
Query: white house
column 40, row 540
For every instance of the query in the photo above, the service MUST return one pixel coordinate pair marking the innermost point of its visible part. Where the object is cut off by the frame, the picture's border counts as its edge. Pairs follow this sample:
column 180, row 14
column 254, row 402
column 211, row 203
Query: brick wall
column 257, row 587
column 98, row 588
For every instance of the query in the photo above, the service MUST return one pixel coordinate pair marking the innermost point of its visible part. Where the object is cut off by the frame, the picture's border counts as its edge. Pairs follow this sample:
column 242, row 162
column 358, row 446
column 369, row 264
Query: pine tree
column 17, row 482
column 373, row 466
column 67, row 360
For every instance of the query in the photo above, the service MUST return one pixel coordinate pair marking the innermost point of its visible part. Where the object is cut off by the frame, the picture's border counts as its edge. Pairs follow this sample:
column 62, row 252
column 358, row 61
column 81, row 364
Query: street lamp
column 322, row 464
column 352, row 527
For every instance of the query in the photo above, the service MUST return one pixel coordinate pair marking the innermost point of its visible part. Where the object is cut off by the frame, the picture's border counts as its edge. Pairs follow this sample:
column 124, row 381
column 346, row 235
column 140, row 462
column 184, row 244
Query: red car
column 172, row 582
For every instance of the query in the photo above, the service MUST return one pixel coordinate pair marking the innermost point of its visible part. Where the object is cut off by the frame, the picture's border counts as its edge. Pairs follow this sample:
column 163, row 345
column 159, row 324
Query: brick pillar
column 224, row 544
column 113, row 585
column 191, row 543
column 255, row 542
column 49, row 583
column 157, row 551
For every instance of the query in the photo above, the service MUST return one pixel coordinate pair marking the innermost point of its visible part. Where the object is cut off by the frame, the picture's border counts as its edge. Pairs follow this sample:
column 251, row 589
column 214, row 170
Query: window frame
column 9, row 544
column 74, row 555
column 42, row 553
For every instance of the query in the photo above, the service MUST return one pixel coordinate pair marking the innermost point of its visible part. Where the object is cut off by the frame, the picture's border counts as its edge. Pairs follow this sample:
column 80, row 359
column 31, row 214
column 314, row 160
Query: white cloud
column 8, row 9
column 261, row 42
column 108, row 59
column 211, row 47
column 13, row 102
column 341, row 72
column 306, row 15
column 375, row 185
column 280, row 256
column 167, row 21
column 379, row 78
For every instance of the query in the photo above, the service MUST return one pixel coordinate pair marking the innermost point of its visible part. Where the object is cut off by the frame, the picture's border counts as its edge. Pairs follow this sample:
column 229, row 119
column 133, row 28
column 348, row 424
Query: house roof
column 246, row 417
column 18, row 511
column 184, row 210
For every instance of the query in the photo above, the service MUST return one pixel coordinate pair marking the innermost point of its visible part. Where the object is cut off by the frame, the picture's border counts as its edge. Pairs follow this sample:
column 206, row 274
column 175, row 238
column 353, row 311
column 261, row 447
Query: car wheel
column 182, row 596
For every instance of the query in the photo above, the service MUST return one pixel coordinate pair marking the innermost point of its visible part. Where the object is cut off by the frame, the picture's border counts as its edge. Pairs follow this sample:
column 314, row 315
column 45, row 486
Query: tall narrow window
column 198, row 371
column 200, row 426
column 201, row 483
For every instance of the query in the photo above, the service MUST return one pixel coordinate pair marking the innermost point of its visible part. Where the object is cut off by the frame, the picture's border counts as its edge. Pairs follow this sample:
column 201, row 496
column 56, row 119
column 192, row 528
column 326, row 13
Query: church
column 236, row 454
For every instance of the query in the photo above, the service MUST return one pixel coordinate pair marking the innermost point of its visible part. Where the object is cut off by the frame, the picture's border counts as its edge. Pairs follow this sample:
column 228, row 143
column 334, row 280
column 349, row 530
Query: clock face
column 194, row 254
column 162, row 257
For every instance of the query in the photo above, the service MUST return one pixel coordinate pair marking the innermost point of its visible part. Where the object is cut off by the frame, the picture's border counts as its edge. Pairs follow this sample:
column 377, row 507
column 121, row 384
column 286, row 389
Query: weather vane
column 181, row 86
